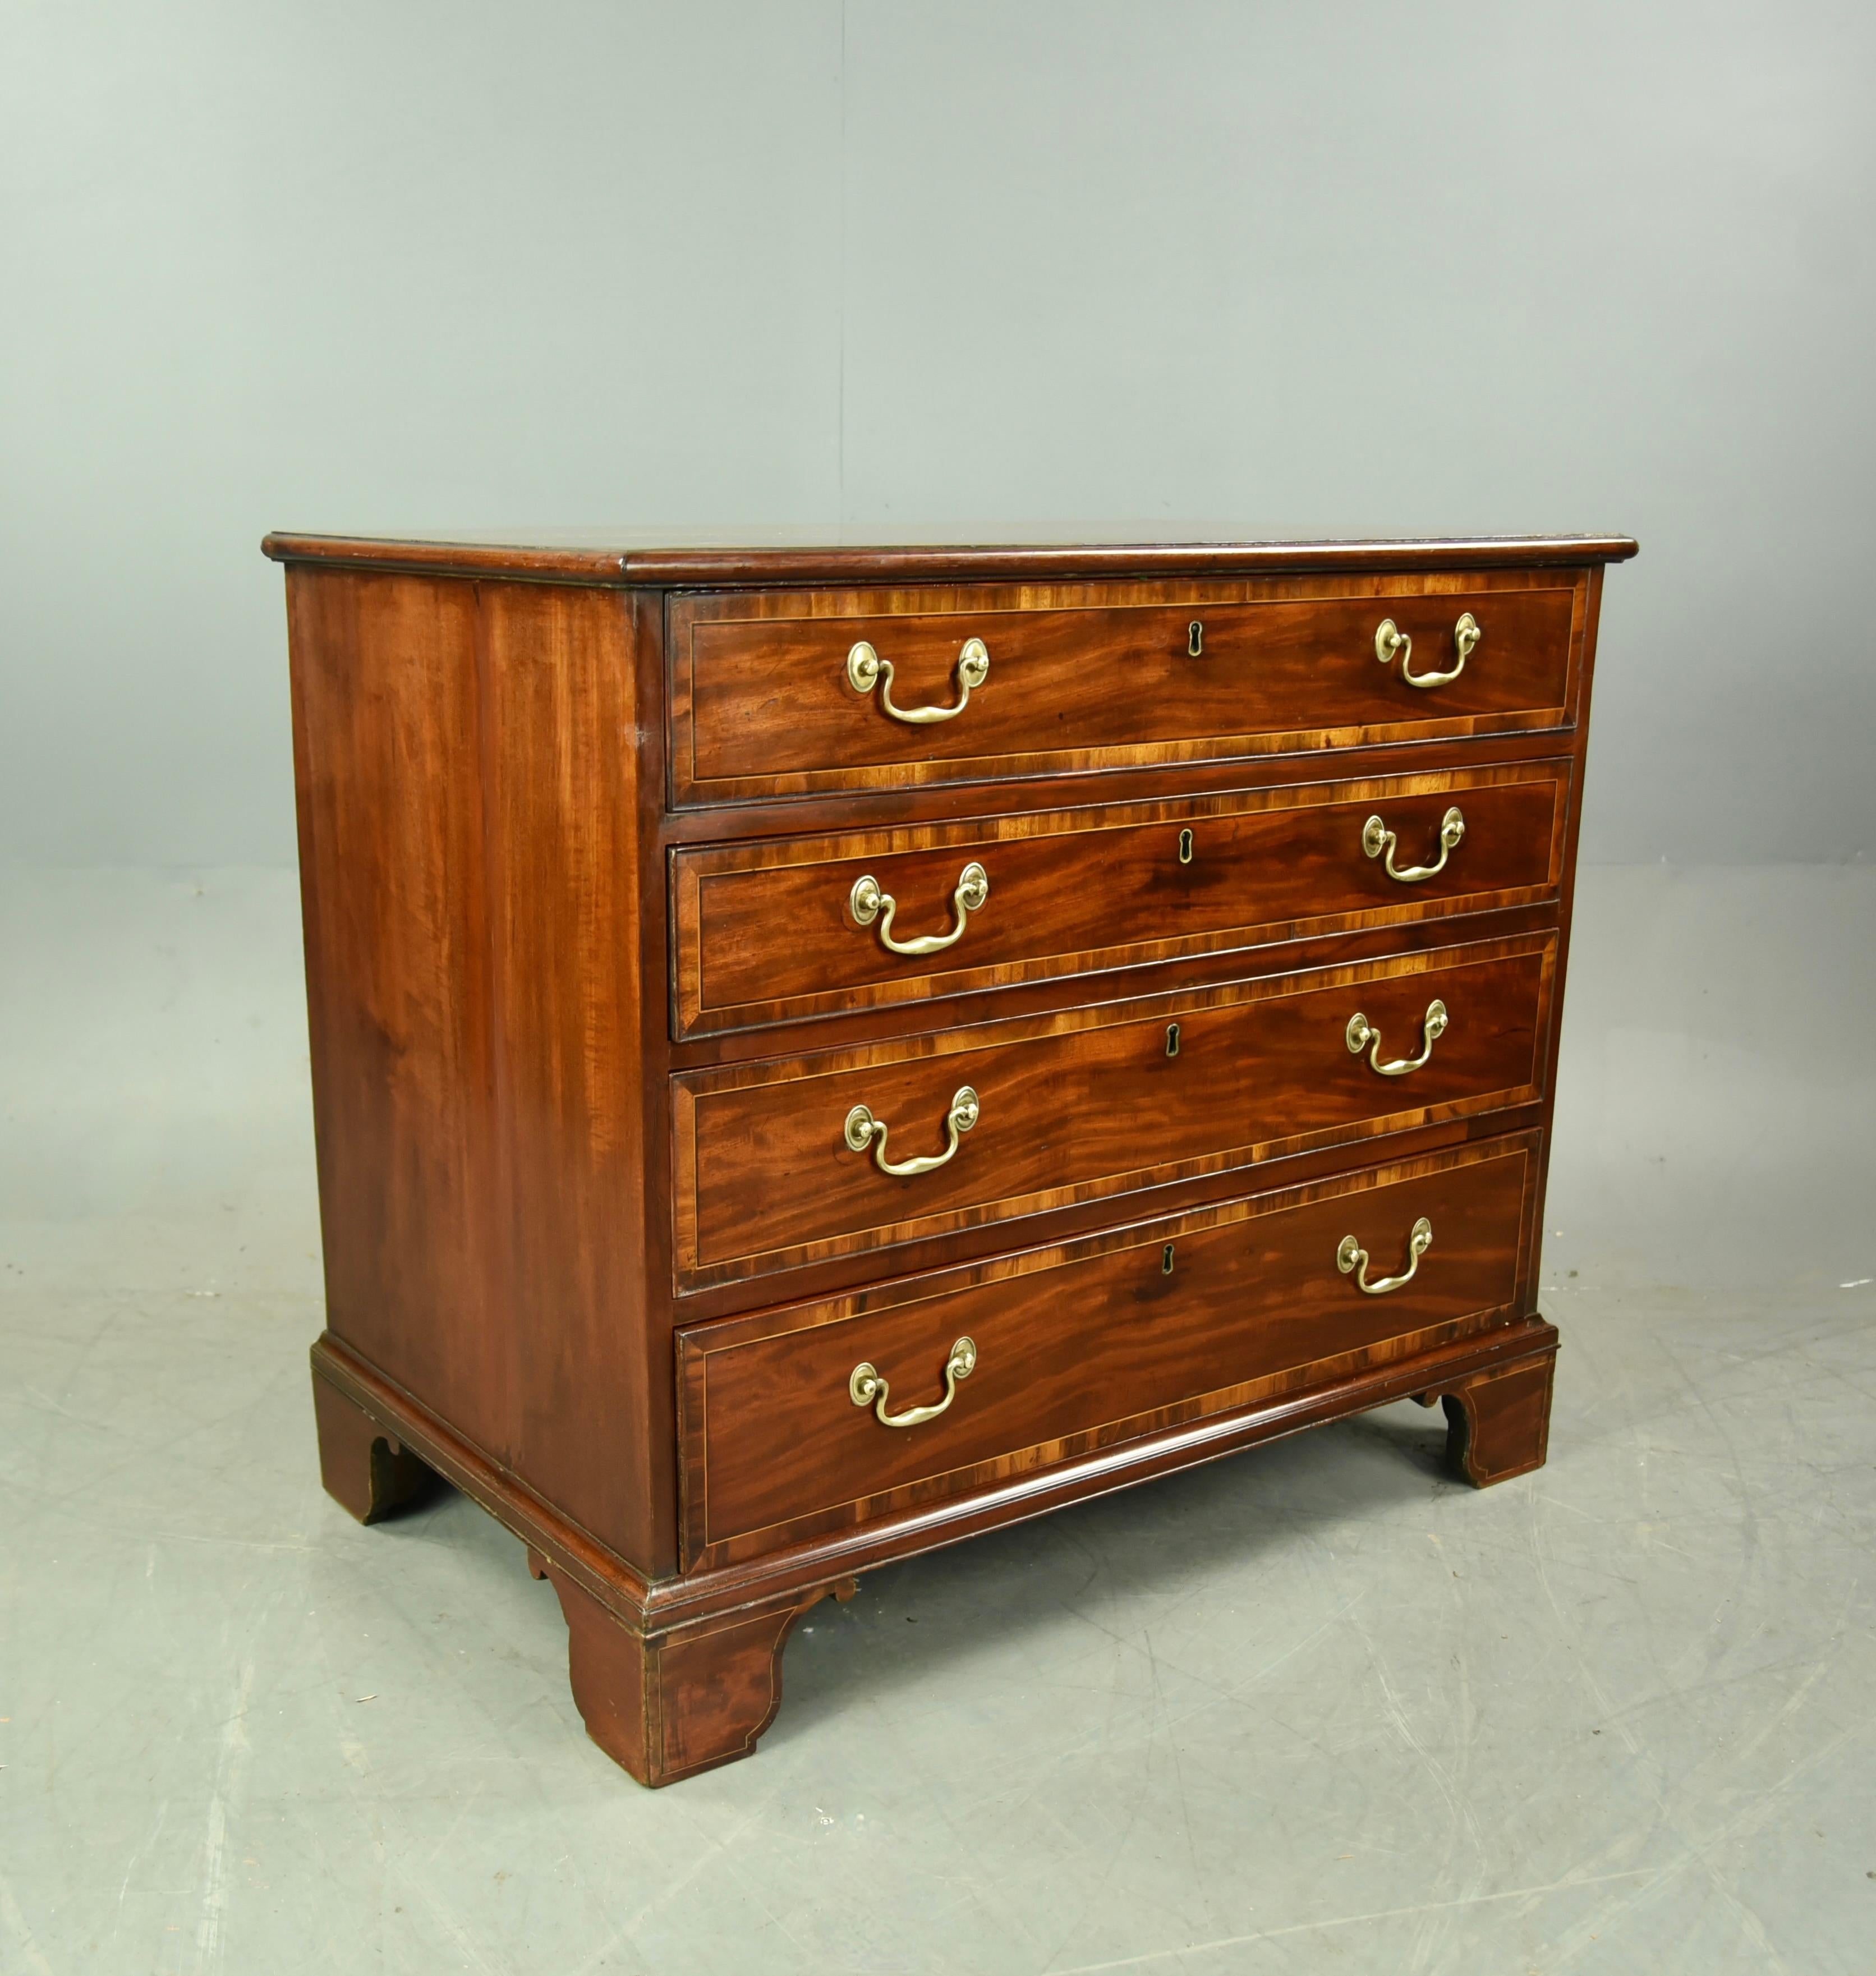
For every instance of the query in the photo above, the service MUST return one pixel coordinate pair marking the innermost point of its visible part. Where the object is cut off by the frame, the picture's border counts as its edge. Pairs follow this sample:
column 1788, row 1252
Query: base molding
column 676, row 1675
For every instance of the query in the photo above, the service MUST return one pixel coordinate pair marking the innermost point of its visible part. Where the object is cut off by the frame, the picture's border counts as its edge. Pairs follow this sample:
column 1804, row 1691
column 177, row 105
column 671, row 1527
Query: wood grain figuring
column 588, row 1006
column 470, row 869
column 1088, row 1104
column 765, row 932
column 1093, row 676
column 387, row 737
column 1081, row 1346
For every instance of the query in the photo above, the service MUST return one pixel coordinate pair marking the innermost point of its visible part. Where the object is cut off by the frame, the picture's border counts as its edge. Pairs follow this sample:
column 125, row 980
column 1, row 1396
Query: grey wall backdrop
column 878, row 271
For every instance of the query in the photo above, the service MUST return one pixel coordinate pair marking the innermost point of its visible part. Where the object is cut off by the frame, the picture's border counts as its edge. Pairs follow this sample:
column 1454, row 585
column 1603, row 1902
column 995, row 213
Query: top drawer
column 783, row 692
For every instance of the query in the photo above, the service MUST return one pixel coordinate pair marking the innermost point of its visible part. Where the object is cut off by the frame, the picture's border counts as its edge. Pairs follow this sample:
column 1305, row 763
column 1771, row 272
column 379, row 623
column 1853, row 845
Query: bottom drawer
column 1077, row 1347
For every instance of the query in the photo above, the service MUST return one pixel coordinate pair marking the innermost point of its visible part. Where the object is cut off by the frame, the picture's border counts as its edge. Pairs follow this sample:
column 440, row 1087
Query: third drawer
column 778, row 1164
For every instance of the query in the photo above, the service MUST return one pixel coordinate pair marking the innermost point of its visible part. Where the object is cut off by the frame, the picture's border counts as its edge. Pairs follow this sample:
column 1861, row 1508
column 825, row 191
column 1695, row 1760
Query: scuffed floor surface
column 1315, row 1708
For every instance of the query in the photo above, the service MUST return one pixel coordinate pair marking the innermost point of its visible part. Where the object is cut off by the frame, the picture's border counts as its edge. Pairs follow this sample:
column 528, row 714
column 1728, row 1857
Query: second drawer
column 769, row 932
column 786, row 1162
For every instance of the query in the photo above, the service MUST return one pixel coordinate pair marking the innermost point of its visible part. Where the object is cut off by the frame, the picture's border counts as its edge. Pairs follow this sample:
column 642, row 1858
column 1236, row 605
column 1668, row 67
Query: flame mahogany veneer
column 591, row 1006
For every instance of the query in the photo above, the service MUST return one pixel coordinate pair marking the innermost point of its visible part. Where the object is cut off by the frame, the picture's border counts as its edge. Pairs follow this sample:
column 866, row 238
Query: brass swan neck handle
column 1361, row 1035
column 862, row 1131
column 1391, row 641
column 1377, row 840
column 865, row 669
column 865, row 1388
column 1352, row 1259
column 867, row 903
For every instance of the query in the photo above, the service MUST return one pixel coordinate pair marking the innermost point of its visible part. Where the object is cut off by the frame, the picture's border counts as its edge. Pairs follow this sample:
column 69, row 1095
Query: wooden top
column 708, row 565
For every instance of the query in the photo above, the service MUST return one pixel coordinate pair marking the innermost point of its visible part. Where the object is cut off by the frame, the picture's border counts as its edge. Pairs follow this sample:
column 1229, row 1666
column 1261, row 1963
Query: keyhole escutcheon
column 1185, row 846
column 1195, row 639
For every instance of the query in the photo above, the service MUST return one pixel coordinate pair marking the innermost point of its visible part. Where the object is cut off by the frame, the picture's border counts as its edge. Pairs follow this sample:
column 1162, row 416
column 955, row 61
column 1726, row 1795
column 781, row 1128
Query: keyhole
column 1172, row 1039
column 1195, row 639
column 1185, row 846
column 1166, row 1260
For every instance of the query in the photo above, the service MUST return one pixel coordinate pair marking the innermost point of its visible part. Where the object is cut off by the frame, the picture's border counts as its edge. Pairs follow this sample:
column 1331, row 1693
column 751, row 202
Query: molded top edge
column 706, row 568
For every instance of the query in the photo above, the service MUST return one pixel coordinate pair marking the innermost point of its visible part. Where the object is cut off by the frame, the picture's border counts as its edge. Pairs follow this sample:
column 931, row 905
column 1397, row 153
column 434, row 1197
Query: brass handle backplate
column 863, row 1129
column 1391, row 642
column 867, row 903
column 1362, row 1034
column 1352, row 1258
column 1377, row 839
column 865, row 1387
column 865, row 669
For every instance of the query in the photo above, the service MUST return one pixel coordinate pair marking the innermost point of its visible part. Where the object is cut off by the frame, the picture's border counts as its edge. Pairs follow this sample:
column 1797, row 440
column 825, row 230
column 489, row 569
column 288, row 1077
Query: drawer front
column 1084, row 1345
column 778, row 1164
column 767, row 698
column 772, row 932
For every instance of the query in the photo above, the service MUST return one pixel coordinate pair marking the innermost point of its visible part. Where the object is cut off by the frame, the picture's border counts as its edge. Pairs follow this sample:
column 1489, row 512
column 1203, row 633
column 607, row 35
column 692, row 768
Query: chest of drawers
column 819, row 1053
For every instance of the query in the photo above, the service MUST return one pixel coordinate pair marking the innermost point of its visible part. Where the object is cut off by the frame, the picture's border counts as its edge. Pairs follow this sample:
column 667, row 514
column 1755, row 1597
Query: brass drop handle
column 866, row 1388
column 1391, row 641
column 867, row 903
column 863, row 1130
column 865, row 669
column 1362, row 1034
column 1378, row 839
column 1351, row 1256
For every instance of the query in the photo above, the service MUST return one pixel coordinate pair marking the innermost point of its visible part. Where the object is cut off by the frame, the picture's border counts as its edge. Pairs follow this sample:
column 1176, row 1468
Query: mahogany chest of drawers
column 816, row 1053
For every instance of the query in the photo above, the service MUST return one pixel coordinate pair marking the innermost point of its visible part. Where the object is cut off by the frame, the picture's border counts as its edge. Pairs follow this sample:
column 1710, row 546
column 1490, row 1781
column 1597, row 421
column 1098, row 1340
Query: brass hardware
column 1166, row 1260
column 1185, row 846
column 866, row 1388
column 1195, row 639
column 1172, row 1039
column 1351, row 1256
column 865, row 667
column 1377, row 838
column 1362, row 1034
column 1389, row 641
column 863, row 1129
column 1467, row 633
column 867, row 903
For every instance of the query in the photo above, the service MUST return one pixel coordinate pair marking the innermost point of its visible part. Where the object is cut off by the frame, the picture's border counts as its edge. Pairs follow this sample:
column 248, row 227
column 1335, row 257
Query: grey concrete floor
column 1314, row 1708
